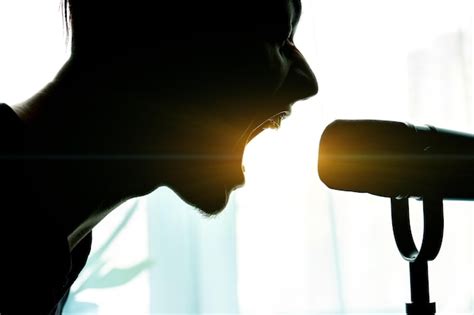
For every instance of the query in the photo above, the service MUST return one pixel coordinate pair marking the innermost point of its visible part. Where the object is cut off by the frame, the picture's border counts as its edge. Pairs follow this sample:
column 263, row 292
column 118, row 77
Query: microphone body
column 397, row 160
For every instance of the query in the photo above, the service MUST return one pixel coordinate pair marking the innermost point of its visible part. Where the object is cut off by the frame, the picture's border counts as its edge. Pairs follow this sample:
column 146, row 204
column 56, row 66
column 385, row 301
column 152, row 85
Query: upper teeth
column 272, row 123
column 275, row 122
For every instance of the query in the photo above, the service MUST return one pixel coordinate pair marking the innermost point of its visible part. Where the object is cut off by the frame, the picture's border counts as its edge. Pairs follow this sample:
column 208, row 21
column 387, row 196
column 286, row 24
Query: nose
column 301, row 80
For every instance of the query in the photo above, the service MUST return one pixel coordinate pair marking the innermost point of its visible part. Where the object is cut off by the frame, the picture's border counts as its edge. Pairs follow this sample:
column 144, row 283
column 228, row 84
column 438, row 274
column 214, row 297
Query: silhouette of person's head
column 183, row 84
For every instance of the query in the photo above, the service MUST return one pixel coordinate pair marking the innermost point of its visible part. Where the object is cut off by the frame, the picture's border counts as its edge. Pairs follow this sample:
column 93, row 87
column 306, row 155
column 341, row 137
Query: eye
column 287, row 46
column 286, row 39
column 279, row 34
column 284, row 42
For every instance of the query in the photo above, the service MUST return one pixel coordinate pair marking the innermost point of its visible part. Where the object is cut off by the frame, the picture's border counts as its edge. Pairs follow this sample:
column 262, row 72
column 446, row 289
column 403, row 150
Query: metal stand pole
column 420, row 294
column 418, row 259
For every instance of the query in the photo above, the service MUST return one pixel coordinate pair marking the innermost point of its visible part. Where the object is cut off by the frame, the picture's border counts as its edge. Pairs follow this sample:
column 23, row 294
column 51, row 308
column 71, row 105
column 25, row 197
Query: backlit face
column 248, row 81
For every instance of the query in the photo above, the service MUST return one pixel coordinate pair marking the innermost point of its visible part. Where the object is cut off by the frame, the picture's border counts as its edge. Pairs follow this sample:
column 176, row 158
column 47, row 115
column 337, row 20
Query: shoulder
column 11, row 130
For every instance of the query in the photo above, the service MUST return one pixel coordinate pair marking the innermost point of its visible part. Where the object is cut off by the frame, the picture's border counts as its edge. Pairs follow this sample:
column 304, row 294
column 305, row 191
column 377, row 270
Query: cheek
column 271, row 68
column 256, row 67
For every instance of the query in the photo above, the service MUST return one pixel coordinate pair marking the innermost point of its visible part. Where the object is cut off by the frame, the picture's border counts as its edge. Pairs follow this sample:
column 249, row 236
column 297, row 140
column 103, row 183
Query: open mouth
column 273, row 122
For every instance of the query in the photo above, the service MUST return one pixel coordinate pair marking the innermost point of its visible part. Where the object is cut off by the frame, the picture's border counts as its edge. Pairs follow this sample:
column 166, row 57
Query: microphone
column 397, row 160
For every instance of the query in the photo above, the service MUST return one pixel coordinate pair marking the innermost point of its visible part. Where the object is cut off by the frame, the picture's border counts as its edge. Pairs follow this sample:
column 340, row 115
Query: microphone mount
column 433, row 227
column 399, row 160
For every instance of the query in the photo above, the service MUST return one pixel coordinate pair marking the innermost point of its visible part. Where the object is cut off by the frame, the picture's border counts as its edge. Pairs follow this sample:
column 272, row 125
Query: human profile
column 154, row 94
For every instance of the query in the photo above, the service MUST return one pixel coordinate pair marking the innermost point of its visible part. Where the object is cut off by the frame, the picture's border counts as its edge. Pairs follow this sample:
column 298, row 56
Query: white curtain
column 285, row 244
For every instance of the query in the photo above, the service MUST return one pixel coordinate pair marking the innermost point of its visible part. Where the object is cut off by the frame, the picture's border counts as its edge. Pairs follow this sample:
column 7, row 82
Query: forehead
column 279, row 8
column 274, row 12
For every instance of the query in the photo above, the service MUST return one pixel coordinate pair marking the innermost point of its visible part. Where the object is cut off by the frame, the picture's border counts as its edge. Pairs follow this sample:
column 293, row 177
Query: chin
column 207, row 186
column 213, row 205
column 210, row 200
column 208, row 203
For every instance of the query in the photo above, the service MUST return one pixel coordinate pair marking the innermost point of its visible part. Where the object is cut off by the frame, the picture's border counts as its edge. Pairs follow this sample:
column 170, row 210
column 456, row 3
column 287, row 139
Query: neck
column 69, row 116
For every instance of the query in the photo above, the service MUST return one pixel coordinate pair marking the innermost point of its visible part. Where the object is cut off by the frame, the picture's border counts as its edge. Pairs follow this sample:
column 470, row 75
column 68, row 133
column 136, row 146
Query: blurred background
column 285, row 244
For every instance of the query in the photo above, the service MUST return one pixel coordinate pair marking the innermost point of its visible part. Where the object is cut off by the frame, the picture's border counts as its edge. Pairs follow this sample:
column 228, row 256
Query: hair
column 101, row 25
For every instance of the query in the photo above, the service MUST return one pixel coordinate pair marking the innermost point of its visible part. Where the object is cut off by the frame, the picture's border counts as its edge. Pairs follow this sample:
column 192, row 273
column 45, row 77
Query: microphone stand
column 433, row 224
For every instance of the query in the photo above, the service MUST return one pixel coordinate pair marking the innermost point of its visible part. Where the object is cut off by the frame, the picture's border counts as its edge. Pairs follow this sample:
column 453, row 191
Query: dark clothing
column 36, row 265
